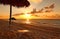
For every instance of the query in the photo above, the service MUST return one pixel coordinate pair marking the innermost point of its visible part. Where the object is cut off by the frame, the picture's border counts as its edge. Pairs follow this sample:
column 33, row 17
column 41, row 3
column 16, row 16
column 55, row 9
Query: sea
column 40, row 22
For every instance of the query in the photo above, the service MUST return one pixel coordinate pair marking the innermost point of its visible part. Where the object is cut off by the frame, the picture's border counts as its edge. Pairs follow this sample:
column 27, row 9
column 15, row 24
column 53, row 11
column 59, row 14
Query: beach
column 14, row 31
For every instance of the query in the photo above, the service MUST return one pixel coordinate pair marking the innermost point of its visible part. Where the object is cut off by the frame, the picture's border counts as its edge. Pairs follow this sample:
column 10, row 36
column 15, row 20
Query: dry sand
column 35, row 32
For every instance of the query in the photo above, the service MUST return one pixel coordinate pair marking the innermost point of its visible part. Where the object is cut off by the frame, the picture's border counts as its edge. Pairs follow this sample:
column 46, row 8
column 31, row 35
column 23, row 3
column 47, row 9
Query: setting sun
column 27, row 16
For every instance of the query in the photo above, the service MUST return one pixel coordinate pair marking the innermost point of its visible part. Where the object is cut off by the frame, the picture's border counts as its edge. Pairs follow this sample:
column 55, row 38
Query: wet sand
column 34, row 31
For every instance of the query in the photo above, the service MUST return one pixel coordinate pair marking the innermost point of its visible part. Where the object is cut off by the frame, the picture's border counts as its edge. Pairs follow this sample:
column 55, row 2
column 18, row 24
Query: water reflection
column 23, row 31
column 27, row 21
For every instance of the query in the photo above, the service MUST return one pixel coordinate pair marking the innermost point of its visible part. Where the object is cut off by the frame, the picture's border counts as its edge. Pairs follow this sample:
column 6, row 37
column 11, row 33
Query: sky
column 38, row 4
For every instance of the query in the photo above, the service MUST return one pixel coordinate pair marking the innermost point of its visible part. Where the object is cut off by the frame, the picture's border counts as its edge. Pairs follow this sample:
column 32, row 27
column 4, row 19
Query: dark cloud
column 50, row 7
column 45, row 9
column 41, row 10
column 18, row 14
column 35, row 11
column 17, row 3
column 48, row 10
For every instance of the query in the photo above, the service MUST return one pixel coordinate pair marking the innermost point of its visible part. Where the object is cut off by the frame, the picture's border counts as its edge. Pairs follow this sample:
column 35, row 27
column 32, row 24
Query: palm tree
column 15, row 3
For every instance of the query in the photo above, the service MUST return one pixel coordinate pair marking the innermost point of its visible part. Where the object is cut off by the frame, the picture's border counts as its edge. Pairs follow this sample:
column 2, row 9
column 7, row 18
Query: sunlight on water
column 23, row 31
column 27, row 21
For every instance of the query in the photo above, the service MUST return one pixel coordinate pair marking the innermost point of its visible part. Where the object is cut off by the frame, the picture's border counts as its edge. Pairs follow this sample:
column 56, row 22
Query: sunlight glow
column 27, row 16
column 23, row 31
column 28, row 21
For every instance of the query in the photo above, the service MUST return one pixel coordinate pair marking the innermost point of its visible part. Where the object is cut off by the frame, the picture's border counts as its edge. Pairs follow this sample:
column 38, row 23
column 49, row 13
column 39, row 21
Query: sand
column 15, row 31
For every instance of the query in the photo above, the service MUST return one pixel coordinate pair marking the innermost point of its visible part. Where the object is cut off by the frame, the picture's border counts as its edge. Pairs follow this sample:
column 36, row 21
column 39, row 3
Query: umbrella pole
column 10, row 15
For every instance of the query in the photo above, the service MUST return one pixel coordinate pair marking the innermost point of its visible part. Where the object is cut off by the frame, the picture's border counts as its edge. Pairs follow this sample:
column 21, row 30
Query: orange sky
column 38, row 4
column 39, row 16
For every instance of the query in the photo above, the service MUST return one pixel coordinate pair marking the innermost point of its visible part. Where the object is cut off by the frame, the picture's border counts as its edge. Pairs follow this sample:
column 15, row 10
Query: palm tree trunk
column 10, row 14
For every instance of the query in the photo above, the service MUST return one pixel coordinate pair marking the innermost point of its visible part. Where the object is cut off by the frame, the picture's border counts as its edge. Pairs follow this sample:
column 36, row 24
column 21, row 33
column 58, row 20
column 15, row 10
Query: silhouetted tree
column 15, row 3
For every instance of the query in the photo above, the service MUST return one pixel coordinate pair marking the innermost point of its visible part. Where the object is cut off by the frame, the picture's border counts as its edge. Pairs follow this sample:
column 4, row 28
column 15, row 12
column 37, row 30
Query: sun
column 27, row 16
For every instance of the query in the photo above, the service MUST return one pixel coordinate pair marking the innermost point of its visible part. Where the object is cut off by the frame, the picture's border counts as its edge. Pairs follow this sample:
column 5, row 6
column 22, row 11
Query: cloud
column 18, row 14
column 36, row 1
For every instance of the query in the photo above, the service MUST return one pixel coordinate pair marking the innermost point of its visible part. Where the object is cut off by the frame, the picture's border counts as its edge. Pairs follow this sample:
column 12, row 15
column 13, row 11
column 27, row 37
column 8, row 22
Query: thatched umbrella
column 15, row 3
